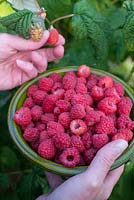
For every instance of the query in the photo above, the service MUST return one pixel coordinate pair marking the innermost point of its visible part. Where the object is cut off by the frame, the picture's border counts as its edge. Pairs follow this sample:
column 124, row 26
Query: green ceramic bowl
column 31, row 155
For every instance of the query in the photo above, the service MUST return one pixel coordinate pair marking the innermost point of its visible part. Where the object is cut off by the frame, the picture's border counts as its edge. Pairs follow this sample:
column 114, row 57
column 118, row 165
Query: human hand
column 96, row 183
column 21, row 60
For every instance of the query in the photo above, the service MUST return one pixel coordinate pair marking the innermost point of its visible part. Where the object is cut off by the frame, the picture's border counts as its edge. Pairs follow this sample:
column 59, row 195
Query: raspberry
column 47, row 149
column 70, row 157
column 107, row 105
column 97, row 93
column 43, row 136
column 36, row 113
column 82, row 162
column 77, row 143
column 63, row 105
column 79, row 99
column 57, row 111
column 91, row 83
column 89, row 155
column 77, row 111
column 46, row 84
column 39, row 96
column 31, row 125
column 125, row 106
column 99, row 140
column 87, row 139
column 49, row 103
column 57, row 86
column 113, row 116
column 105, row 126
column 65, row 119
column 88, row 109
column 105, row 82
column 55, row 77
column 83, row 71
column 69, row 94
column 28, row 102
column 78, row 127
column 124, row 134
column 114, row 132
column 53, row 37
column 111, row 92
column 81, row 88
column 23, row 116
column 92, row 118
column 54, row 128
column 123, row 121
column 31, row 134
column 119, row 88
column 89, row 99
column 69, row 82
column 62, row 141
column 59, row 93
column 47, row 117
column 70, row 73
column 81, row 80
column 41, row 127
column 31, row 90
column 34, row 145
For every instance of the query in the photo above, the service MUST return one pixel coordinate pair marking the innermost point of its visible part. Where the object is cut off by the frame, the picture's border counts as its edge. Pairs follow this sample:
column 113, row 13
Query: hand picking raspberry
column 22, row 60
column 77, row 123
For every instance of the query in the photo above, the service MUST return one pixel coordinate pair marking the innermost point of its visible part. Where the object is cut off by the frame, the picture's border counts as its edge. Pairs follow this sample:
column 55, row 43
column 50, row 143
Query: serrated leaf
column 4, row 181
column 128, row 5
column 86, row 26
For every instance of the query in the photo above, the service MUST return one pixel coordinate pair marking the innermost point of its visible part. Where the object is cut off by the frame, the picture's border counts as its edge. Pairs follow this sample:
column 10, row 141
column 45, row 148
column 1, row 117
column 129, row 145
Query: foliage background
column 111, row 50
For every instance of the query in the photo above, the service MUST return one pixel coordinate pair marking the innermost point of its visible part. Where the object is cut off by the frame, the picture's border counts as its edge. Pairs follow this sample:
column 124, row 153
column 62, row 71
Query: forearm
column 43, row 197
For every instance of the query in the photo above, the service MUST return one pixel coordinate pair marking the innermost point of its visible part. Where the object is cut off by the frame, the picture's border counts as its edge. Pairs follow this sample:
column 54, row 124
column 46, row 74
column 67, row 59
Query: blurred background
column 110, row 49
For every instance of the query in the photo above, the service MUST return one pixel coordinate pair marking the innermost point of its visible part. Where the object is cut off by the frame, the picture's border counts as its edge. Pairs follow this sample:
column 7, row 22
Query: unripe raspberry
column 53, row 37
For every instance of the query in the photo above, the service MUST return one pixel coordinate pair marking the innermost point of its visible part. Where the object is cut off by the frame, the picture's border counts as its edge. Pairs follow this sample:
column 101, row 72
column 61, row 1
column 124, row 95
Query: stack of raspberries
column 68, row 119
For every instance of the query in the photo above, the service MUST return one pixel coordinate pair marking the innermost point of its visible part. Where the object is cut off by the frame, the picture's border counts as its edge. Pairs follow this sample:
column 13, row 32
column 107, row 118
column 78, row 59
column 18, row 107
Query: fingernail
column 120, row 146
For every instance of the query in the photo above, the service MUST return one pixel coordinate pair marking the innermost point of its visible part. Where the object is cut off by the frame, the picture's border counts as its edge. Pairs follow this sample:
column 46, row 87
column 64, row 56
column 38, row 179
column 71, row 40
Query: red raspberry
column 54, row 128
column 57, row 111
column 31, row 134
column 92, row 118
column 69, row 82
column 78, row 111
column 63, row 105
column 34, row 145
column 49, row 103
column 119, row 136
column 47, row 117
column 97, row 93
column 39, row 96
column 53, row 37
column 59, row 93
column 105, row 82
column 77, row 143
column 78, row 127
column 65, row 119
column 81, row 80
column 43, row 136
column 89, row 155
column 69, row 94
column 46, row 84
column 47, row 149
column 91, row 83
column 124, row 106
column 83, row 71
column 23, row 116
column 40, row 127
column 81, row 88
column 62, row 141
column 114, row 132
column 56, row 77
column 36, row 113
column 87, row 139
column 113, row 116
column 123, row 121
column 31, row 125
column 99, row 140
column 124, row 134
column 107, row 105
column 105, row 126
column 70, row 157
column 89, row 99
column 31, row 90
column 111, row 92
column 88, row 109
column 119, row 88
column 70, row 73
column 56, row 86
column 79, row 99
column 28, row 102
column 82, row 162
column 131, row 125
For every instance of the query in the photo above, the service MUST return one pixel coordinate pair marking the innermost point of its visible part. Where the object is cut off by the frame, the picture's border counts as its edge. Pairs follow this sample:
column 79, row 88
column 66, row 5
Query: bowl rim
column 30, row 154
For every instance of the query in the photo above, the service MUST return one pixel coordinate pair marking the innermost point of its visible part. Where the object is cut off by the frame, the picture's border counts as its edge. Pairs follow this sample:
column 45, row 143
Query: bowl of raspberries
column 60, row 119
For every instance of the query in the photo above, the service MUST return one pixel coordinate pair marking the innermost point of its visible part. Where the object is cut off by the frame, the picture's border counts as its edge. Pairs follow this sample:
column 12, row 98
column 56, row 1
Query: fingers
column 53, row 179
column 109, row 183
column 61, row 40
column 101, row 164
column 21, row 44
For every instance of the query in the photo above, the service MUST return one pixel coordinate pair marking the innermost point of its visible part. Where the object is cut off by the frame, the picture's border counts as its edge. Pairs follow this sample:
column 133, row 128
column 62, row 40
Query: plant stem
column 47, row 20
column 19, row 172
column 62, row 17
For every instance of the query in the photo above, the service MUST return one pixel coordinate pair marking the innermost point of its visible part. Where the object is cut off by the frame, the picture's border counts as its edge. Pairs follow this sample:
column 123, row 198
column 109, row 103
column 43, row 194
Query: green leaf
column 4, row 181
column 86, row 25
column 129, row 5
column 56, row 8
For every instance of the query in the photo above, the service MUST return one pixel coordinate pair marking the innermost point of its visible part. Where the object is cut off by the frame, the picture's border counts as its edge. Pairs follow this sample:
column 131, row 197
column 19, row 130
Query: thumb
column 22, row 44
